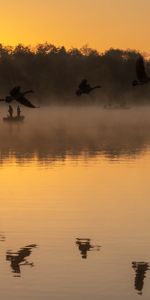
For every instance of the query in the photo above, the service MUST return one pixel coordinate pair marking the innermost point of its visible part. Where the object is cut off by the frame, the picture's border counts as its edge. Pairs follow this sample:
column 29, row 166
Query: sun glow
column 101, row 24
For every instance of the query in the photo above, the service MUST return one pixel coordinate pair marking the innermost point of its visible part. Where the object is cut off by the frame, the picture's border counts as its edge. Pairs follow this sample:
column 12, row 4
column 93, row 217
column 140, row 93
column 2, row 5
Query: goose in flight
column 16, row 94
column 85, row 88
column 142, row 77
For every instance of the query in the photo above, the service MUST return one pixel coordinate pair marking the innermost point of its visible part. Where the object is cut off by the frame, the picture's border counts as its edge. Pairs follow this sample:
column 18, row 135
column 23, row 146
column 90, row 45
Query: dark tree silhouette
column 54, row 73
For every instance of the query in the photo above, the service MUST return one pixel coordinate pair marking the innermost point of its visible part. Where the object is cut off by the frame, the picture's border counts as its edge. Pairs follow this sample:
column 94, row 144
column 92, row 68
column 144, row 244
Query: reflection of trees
column 85, row 246
column 18, row 258
column 140, row 273
column 55, row 141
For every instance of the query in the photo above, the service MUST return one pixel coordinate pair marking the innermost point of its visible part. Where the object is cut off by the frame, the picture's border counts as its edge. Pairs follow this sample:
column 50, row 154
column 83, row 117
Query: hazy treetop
column 54, row 72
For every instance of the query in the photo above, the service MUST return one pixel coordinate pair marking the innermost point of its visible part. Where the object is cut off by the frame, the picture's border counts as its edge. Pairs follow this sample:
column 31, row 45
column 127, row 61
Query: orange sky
column 99, row 23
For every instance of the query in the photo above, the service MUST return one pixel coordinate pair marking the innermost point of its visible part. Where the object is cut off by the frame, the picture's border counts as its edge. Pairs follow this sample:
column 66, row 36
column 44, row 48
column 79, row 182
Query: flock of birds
column 142, row 78
column 83, row 88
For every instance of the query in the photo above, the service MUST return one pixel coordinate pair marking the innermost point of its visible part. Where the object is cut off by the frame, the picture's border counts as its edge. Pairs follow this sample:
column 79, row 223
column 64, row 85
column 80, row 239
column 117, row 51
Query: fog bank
column 55, row 133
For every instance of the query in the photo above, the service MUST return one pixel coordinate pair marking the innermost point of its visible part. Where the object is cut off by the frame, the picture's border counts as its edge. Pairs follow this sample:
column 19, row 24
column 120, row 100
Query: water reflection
column 57, row 133
column 140, row 273
column 18, row 259
column 85, row 246
column 2, row 237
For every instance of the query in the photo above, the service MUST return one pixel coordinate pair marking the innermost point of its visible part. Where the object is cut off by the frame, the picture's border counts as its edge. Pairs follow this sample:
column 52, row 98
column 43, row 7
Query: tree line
column 54, row 73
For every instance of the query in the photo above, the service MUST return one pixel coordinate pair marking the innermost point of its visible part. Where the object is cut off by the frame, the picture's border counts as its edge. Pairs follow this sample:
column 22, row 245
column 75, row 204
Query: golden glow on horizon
column 100, row 24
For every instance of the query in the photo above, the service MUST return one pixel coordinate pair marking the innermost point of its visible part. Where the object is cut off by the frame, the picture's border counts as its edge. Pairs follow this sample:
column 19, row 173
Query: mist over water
column 55, row 133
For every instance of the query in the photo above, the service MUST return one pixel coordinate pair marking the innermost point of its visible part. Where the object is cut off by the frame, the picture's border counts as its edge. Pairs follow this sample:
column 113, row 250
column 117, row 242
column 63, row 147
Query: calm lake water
column 75, row 205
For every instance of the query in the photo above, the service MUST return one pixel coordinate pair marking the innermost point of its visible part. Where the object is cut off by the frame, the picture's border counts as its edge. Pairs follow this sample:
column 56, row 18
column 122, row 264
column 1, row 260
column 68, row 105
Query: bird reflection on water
column 18, row 259
column 2, row 237
column 85, row 246
column 140, row 269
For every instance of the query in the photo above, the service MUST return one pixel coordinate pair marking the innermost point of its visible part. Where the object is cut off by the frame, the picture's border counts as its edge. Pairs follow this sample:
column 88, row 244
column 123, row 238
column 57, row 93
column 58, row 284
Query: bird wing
column 15, row 91
column 140, row 69
column 24, row 101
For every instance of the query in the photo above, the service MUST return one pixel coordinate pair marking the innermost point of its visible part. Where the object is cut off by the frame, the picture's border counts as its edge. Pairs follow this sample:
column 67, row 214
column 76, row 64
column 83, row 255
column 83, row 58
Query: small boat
column 13, row 119
column 83, row 239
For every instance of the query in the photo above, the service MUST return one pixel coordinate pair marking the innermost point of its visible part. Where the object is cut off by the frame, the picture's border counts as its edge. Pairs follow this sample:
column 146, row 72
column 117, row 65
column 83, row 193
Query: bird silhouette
column 85, row 88
column 16, row 94
column 142, row 77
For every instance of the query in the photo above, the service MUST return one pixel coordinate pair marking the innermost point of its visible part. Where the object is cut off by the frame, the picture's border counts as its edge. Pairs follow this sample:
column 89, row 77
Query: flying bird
column 16, row 94
column 142, row 77
column 85, row 88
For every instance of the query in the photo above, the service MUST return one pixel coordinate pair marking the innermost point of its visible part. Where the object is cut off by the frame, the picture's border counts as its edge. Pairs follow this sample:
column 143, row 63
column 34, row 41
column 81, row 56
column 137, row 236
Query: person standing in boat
column 10, row 111
column 18, row 111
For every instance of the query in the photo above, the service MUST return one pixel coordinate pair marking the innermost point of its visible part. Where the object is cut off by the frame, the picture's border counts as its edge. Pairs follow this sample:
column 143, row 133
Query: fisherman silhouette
column 140, row 270
column 10, row 111
column 18, row 259
column 18, row 111
column 84, row 246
